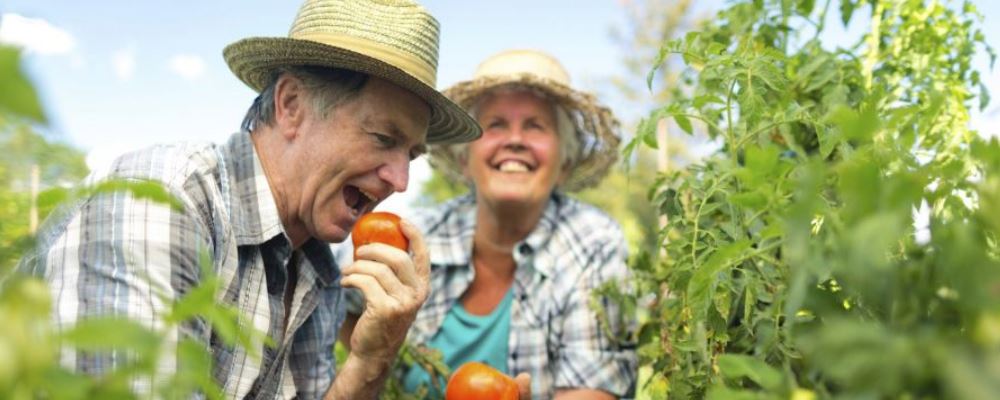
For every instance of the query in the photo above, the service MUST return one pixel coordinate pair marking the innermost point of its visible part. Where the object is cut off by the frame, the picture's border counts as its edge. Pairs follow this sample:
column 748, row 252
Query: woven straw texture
column 396, row 40
column 597, row 129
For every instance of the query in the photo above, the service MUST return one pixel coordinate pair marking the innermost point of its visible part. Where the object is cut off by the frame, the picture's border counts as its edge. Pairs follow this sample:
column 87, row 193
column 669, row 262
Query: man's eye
column 385, row 140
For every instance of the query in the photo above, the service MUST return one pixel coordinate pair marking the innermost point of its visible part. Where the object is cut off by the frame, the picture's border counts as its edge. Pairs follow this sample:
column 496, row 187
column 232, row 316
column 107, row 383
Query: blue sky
column 118, row 75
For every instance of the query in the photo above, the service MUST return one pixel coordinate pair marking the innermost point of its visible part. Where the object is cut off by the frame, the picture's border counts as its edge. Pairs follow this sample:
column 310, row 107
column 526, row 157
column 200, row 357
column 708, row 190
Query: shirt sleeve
column 590, row 356
column 115, row 255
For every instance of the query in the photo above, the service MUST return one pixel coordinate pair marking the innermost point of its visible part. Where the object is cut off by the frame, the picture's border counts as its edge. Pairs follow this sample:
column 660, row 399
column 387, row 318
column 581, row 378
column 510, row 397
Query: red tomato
column 478, row 381
column 381, row 227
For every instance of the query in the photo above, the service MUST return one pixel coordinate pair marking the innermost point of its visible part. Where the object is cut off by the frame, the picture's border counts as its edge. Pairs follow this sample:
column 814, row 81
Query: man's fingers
column 523, row 381
column 369, row 286
column 396, row 259
column 383, row 275
column 421, row 261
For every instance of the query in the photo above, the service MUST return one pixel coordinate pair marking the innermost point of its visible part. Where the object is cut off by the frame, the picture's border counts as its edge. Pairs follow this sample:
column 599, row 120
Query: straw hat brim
column 253, row 60
column 596, row 127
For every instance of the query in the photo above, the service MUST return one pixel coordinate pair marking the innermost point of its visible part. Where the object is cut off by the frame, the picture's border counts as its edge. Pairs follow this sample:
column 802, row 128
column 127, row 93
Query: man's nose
column 397, row 173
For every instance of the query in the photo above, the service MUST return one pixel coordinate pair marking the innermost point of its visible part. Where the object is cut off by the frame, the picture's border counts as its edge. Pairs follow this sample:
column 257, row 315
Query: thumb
column 523, row 381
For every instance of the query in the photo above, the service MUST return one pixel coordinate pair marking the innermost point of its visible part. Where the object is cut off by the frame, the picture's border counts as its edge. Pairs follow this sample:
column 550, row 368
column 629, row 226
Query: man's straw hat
column 595, row 126
column 396, row 40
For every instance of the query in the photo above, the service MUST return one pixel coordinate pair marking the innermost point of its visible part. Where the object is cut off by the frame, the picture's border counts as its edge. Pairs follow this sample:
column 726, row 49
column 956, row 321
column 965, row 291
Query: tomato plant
column 478, row 381
column 842, row 242
column 379, row 227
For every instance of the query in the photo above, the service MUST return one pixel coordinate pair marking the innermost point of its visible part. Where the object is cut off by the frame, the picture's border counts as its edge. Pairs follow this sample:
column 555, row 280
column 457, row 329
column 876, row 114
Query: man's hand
column 394, row 286
column 523, row 381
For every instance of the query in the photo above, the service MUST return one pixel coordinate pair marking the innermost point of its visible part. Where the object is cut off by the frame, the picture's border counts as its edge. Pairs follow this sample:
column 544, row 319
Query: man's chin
column 335, row 235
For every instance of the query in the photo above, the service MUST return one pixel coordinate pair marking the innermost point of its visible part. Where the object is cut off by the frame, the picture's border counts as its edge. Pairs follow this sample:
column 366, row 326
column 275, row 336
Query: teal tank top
column 464, row 337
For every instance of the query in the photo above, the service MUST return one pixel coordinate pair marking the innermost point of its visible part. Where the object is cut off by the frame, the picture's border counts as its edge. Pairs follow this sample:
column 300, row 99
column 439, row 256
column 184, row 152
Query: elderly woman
column 514, row 263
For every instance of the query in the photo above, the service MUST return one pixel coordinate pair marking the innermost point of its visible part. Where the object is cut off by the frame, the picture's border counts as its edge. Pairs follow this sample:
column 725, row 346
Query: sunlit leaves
column 798, row 248
column 17, row 95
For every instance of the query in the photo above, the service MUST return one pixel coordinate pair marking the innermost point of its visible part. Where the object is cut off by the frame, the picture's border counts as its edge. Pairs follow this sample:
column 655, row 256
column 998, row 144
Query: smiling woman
column 514, row 264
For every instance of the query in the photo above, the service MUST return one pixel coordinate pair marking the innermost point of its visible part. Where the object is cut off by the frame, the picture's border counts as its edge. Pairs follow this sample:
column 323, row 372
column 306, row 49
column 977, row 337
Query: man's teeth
column 369, row 196
column 513, row 166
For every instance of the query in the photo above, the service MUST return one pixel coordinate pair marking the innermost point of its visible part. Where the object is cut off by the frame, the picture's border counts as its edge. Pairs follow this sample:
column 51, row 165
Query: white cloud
column 188, row 66
column 123, row 62
column 35, row 35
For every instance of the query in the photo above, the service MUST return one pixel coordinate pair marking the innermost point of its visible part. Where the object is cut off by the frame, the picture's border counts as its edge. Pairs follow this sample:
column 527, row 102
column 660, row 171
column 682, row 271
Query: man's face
column 516, row 161
column 357, row 156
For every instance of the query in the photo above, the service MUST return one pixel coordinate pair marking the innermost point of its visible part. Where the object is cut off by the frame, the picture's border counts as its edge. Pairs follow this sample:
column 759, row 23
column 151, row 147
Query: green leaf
column 194, row 372
column 61, row 384
column 195, row 302
column 107, row 333
column 805, row 7
column 667, row 48
column 647, row 132
column 764, row 69
column 821, row 79
column 856, row 125
column 984, row 96
column 140, row 189
column 846, row 11
column 701, row 288
column 720, row 392
column 684, row 123
column 734, row 366
column 754, row 200
column 17, row 95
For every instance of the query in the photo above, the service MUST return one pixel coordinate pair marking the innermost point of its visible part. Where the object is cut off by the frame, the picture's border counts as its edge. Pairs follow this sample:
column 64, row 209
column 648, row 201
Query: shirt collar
column 255, row 212
column 459, row 229
column 536, row 242
column 320, row 259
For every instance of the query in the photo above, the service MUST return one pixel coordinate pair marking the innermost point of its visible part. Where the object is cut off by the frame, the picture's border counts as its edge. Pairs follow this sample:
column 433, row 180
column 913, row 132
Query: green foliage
column 439, row 188
column 416, row 356
column 29, row 344
column 19, row 97
column 796, row 263
column 25, row 151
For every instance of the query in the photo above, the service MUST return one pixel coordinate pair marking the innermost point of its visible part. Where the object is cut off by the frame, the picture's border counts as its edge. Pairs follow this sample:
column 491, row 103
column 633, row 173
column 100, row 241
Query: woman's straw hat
column 595, row 126
column 396, row 40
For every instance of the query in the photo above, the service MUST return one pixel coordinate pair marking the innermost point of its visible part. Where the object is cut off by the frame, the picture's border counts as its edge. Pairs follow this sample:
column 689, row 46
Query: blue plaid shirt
column 117, row 255
column 554, row 334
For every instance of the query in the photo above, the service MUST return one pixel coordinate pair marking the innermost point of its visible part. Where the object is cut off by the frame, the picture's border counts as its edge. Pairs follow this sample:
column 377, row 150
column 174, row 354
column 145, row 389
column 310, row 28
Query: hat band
column 388, row 54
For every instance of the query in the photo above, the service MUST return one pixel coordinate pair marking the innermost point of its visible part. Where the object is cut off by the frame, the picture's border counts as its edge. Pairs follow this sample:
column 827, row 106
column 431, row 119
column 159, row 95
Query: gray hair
column 569, row 143
column 326, row 88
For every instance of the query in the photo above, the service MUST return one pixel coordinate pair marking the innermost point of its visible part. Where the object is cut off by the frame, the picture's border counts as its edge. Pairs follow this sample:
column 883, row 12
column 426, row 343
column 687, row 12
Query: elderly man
column 346, row 101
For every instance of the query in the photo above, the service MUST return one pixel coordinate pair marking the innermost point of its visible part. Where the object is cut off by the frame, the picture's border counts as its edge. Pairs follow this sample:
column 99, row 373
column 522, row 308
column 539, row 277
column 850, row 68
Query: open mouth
column 513, row 166
column 358, row 200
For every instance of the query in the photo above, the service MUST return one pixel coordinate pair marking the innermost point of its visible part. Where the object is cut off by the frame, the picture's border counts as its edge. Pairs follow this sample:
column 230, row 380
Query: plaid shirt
column 114, row 254
column 554, row 334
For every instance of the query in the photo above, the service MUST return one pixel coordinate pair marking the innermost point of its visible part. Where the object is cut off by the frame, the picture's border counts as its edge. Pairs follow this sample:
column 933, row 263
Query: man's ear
column 289, row 105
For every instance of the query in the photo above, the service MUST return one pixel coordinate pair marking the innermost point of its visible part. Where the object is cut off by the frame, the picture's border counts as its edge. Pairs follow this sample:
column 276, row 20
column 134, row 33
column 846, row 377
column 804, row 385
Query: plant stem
column 871, row 57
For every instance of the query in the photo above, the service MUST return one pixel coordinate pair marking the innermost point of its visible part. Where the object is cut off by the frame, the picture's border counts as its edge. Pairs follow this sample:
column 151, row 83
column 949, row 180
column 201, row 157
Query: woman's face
column 516, row 161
